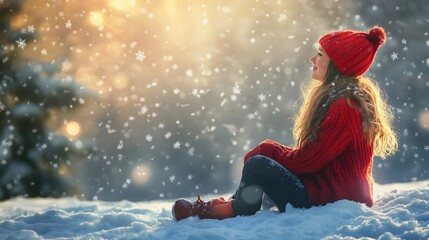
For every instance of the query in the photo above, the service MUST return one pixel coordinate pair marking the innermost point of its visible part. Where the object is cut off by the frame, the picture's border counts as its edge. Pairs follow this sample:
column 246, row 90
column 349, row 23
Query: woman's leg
column 262, row 174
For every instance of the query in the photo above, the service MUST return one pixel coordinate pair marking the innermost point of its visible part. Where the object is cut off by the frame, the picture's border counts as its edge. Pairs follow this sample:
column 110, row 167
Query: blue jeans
column 262, row 174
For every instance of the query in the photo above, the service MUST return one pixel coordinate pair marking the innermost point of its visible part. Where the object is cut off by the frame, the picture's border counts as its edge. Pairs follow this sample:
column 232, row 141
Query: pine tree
column 33, row 158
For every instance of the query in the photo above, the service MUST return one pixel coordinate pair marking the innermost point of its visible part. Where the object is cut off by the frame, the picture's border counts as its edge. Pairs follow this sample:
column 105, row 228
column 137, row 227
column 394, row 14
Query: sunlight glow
column 96, row 18
column 122, row 5
column 18, row 21
column 120, row 81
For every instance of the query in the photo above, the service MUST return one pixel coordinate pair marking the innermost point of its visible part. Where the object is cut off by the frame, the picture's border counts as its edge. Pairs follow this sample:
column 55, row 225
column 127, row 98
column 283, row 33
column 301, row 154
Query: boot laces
column 199, row 199
column 199, row 206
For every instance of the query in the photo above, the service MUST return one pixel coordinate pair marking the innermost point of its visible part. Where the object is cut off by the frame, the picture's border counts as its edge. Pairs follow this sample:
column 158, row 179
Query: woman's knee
column 256, row 163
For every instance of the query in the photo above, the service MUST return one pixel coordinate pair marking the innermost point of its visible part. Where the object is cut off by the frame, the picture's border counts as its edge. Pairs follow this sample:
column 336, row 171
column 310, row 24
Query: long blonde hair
column 377, row 116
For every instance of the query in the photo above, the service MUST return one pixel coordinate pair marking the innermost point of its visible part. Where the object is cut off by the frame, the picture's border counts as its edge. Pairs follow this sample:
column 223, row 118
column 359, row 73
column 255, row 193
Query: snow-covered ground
column 400, row 212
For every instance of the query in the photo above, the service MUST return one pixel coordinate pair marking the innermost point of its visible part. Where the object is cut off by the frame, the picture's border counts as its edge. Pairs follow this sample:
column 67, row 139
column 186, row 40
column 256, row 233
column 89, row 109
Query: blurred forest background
column 141, row 100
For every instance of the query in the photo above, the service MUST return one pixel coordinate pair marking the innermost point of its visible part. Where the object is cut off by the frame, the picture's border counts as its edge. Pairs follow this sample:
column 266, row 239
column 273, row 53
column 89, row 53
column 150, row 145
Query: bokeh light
column 73, row 128
column 424, row 120
column 140, row 174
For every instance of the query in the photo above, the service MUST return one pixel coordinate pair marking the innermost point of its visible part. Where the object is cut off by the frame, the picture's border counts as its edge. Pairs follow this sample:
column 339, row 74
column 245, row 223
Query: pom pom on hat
column 377, row 35
column 353, row 52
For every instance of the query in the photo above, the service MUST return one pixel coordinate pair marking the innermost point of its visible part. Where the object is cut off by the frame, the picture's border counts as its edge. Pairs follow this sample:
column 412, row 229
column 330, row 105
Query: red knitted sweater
column 338, row 165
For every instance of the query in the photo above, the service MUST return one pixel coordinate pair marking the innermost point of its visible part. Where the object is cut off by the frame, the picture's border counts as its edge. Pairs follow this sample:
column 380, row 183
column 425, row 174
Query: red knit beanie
column 351, row 51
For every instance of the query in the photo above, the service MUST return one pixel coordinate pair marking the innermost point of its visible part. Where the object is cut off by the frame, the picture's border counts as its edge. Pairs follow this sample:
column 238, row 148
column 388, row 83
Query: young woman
column 343, row 123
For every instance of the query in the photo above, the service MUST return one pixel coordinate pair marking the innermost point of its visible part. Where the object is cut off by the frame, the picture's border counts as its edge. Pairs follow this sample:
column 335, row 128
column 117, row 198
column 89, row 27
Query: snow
column 401, row 211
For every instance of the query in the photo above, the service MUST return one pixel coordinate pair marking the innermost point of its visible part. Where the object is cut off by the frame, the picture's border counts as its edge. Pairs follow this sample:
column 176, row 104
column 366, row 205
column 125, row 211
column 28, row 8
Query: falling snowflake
column 143, row 110
column 172, row 178
column 176, row 145
column 120, row 145
column 261, row 97
column 149, row 138
column 282, row 17
column 126, row 183
column 21, row 43
column 167, row 135
column 68, row 24
column 189, row 73
column 427, row 148
column 140, row 56
column 30, row 29
column 236, row 89
column 44, row 52
column 394, row 56
column 208, row 56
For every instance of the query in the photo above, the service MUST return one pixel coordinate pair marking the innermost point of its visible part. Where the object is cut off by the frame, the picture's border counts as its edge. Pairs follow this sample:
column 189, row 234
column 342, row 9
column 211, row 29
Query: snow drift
column 401, row 211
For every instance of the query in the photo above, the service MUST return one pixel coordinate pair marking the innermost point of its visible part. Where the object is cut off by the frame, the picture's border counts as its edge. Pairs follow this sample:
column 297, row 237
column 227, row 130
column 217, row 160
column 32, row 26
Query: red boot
column 184, row 208
column 213, row 209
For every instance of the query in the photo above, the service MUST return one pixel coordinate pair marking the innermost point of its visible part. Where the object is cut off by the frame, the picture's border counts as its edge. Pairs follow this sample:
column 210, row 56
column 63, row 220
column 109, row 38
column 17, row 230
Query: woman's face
column 319, row 63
